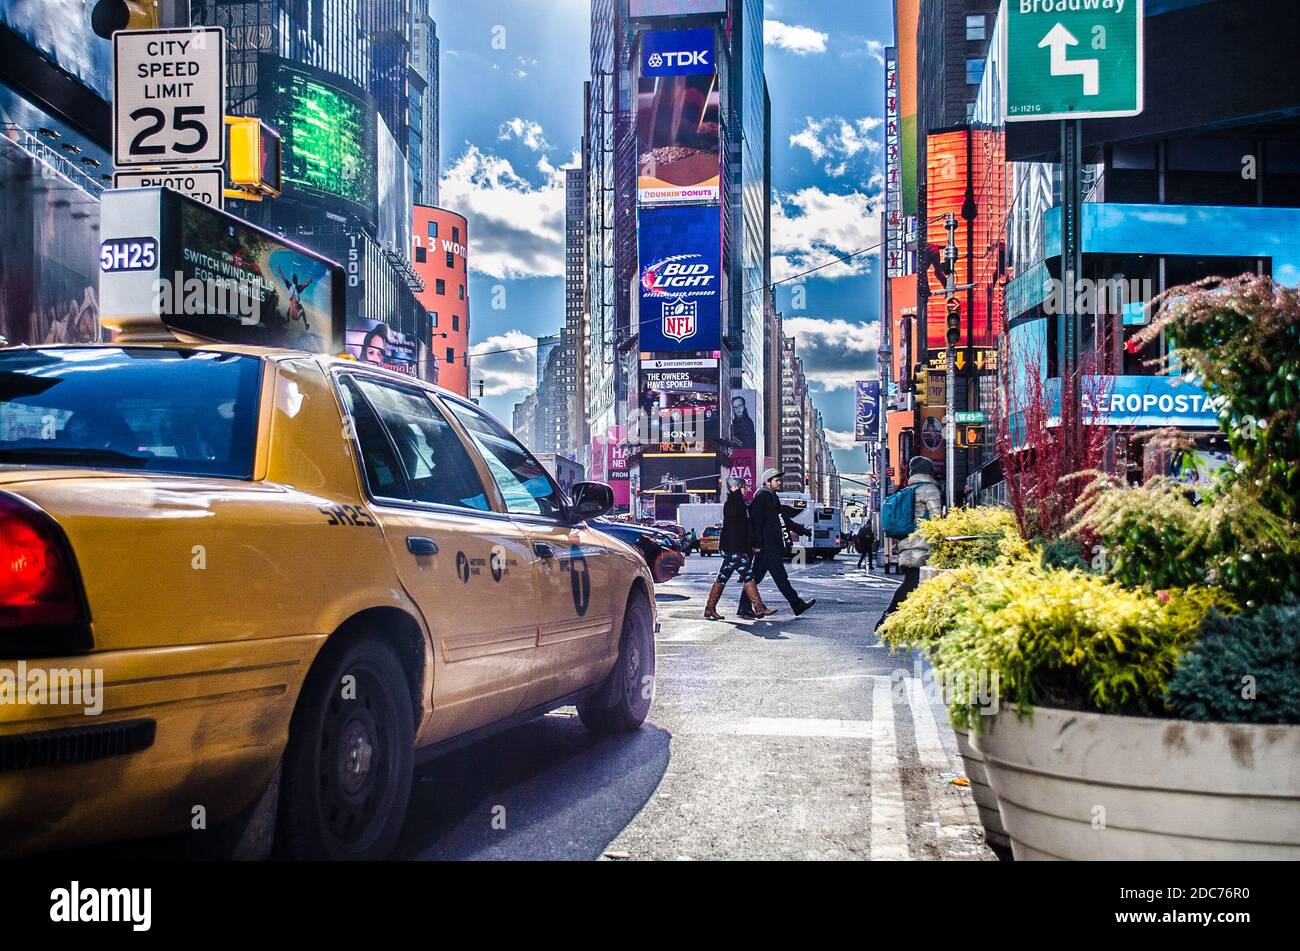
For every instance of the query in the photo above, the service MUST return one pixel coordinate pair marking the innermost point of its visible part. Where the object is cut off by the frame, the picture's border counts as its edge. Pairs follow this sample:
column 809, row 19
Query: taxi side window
column 384, row 473
column 437, row 466
column 524, row 484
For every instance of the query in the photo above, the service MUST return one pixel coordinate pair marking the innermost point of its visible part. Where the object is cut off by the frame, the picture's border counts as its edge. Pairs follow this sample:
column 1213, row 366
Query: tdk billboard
column 677, row 53
column 681, row 251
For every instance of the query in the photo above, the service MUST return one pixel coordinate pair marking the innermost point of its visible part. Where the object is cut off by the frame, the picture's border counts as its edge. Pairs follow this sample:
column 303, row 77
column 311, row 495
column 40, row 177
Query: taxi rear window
column 159, row 410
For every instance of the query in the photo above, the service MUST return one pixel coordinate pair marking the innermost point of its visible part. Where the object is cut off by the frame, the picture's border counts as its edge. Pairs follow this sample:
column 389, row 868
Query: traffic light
column 954, row 321
column 254, row 159
column 971, row 437
column 109, row 16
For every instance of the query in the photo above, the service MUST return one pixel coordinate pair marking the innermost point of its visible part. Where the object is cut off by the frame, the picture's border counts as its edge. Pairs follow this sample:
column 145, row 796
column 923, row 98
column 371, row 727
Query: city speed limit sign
column 169, row 97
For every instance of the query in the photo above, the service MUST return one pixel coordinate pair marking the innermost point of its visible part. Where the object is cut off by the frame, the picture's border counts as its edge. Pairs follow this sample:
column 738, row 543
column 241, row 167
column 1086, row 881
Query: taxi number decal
column 347, row 515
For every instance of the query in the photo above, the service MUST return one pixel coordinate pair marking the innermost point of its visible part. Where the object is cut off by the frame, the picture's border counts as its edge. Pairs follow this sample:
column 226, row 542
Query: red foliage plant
column 1049, row 447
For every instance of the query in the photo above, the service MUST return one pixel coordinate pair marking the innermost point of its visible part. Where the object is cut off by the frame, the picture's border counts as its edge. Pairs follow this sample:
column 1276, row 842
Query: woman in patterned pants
column 737, row 552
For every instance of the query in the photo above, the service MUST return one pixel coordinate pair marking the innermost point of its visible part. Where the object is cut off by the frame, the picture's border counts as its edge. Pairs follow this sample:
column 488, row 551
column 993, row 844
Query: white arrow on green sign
column 1072, row 59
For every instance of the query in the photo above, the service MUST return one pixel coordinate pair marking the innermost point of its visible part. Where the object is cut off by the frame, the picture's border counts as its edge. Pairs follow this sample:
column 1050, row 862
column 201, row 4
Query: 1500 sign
column 169, row 96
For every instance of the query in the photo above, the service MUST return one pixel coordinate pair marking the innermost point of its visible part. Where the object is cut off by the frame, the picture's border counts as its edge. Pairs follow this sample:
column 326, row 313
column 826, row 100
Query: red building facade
column 441, row 259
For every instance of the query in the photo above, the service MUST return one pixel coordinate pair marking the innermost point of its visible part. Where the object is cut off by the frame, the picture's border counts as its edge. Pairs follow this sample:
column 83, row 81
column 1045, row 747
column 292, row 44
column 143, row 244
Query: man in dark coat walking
column 865, row 545
column 769, row 520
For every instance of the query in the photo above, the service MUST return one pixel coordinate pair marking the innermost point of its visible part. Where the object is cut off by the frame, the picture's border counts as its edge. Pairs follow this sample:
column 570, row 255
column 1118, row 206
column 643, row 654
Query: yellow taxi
column 711, row 540
column 247, row 589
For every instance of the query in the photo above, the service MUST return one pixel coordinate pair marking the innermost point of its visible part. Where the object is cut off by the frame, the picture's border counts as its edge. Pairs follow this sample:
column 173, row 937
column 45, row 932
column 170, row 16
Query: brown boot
column 760, row 609
column 711, row 608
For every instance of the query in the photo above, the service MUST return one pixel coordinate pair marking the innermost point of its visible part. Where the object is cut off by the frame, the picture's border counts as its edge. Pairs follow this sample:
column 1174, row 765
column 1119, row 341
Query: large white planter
column 986, row 799
column 1090, row 786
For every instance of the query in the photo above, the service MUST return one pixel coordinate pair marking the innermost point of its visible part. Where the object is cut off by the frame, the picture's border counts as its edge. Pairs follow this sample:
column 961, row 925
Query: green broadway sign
column 1072, row 59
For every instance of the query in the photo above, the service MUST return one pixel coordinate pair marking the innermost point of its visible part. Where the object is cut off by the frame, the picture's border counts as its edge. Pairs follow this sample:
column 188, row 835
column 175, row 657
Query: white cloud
column 835, row 353
column 811, row 227
column 839, row 440
column 830, row 380
column 526, row 131
column 835, row 141
column 516, row 227
column 836, row 331
column 876, row 49
column 507, row 364
column 800, row 40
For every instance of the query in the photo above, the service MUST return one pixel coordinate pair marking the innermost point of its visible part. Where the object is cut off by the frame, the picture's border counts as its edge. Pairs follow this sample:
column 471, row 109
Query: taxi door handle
column 542, row 550
column 419, row 545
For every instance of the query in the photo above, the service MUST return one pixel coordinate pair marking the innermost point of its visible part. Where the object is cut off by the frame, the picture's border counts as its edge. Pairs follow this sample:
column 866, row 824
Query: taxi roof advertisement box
column 173, row 267
column 681, row 259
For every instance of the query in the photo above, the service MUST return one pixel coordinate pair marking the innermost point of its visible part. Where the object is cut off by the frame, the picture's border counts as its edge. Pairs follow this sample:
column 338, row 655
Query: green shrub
column 1209, row 681
column 1069, row 639
column 929, row 612
column 1153, row 535
column 1061, row 553
column 1241, row 339
column 1000, row 537
column 1147, row 532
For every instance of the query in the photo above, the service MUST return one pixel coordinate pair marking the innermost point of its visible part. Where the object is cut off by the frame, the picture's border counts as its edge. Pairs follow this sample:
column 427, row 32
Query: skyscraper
column 422, row 135
column 575, row 307
column 608, row 103
column 678, row 178
column 333, row 79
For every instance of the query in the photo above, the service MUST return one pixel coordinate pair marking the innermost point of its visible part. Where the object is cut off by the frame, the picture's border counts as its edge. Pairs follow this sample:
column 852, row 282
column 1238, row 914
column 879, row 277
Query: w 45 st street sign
column 1072, row 59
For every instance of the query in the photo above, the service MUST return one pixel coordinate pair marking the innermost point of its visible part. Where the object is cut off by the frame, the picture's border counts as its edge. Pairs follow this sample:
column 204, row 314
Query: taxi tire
column 622, row 702
column 385, row 698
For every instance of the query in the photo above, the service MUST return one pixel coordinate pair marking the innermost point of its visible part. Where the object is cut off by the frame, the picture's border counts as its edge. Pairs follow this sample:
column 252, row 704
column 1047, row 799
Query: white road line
column 953, row 806
column 928, row 745
column 888, row 817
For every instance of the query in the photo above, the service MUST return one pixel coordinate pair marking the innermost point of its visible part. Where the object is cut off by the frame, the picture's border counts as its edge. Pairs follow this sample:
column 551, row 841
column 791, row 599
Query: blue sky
column 511, row 114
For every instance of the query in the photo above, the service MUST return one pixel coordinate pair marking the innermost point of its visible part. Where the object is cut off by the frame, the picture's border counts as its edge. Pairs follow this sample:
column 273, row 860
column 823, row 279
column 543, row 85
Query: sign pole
column 1071, row 255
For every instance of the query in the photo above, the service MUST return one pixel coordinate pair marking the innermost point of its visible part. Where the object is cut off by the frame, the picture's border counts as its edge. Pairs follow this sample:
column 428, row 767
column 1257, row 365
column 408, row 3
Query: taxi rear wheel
column 348, row 765
column 622, row 702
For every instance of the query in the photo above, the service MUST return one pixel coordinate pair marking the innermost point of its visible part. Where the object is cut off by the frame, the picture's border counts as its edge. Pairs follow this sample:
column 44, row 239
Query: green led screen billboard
column 328, row 130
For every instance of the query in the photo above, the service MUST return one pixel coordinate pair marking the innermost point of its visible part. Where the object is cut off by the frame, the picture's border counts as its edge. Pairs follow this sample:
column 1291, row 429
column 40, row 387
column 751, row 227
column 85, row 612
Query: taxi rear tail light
column 42, row 607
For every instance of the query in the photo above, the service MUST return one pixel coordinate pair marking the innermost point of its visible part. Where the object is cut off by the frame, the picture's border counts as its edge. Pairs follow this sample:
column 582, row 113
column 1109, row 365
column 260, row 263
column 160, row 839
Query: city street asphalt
column 777, row 739
column 786, row 738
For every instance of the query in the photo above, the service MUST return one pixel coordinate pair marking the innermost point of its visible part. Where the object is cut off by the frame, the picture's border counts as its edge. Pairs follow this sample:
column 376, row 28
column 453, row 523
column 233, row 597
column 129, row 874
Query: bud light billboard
column 680, row 300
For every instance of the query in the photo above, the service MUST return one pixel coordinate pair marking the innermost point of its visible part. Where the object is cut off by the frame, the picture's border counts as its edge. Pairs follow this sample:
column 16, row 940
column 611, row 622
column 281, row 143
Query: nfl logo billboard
column 680, row 297
column 679, row 319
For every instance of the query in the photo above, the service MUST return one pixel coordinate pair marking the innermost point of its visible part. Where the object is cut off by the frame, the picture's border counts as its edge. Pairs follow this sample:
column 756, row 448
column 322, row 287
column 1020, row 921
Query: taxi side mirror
column 590, row 500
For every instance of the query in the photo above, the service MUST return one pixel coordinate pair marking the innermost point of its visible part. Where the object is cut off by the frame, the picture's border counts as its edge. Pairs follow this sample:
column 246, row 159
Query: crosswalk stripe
column 928, row 745
column 888, row 817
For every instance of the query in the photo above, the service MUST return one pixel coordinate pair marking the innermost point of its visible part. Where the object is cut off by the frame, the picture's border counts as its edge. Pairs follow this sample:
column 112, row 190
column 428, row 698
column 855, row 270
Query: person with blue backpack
column 899, row 517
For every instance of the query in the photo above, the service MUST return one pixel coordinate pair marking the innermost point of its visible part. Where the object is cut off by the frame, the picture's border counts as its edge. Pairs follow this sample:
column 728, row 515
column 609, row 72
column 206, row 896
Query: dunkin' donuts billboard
column 677, row 118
